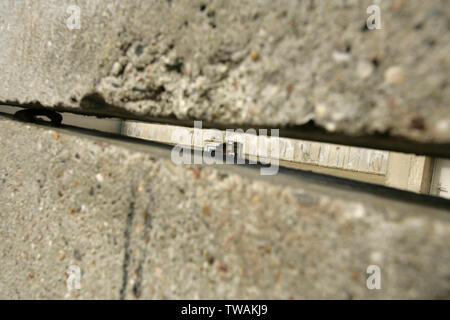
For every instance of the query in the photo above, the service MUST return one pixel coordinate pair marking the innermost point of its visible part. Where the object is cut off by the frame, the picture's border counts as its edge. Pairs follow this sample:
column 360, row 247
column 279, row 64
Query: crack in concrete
column 127, row 253
column 145, row 238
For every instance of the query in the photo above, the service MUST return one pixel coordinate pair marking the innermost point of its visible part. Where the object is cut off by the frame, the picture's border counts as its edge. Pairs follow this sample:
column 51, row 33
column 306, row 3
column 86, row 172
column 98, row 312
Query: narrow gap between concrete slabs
column 285, row 176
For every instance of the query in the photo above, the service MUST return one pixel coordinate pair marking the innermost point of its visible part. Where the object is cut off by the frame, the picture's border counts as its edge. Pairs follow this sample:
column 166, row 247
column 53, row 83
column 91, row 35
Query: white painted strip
column 313, row 153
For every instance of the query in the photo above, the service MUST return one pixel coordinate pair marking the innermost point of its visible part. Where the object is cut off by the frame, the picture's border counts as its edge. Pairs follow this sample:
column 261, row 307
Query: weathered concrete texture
column 235, row 62
column 140, row 227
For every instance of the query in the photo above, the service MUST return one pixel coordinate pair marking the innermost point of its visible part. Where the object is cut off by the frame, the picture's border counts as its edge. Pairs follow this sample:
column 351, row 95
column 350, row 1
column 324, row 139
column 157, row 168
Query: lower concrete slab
column 135, row 225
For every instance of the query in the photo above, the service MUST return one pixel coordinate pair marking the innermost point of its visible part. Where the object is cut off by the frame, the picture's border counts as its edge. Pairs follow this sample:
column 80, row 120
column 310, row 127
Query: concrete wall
column 235, row 62
column 139, row 226
column 135, row 225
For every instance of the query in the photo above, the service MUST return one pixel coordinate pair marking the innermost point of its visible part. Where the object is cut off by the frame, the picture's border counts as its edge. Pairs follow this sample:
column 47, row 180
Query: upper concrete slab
column 235, row 62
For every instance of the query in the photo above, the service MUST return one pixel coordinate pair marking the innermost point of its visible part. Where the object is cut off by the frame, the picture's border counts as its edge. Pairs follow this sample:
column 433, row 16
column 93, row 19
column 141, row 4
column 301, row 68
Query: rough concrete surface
column 250, row 62
column 138, row 226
